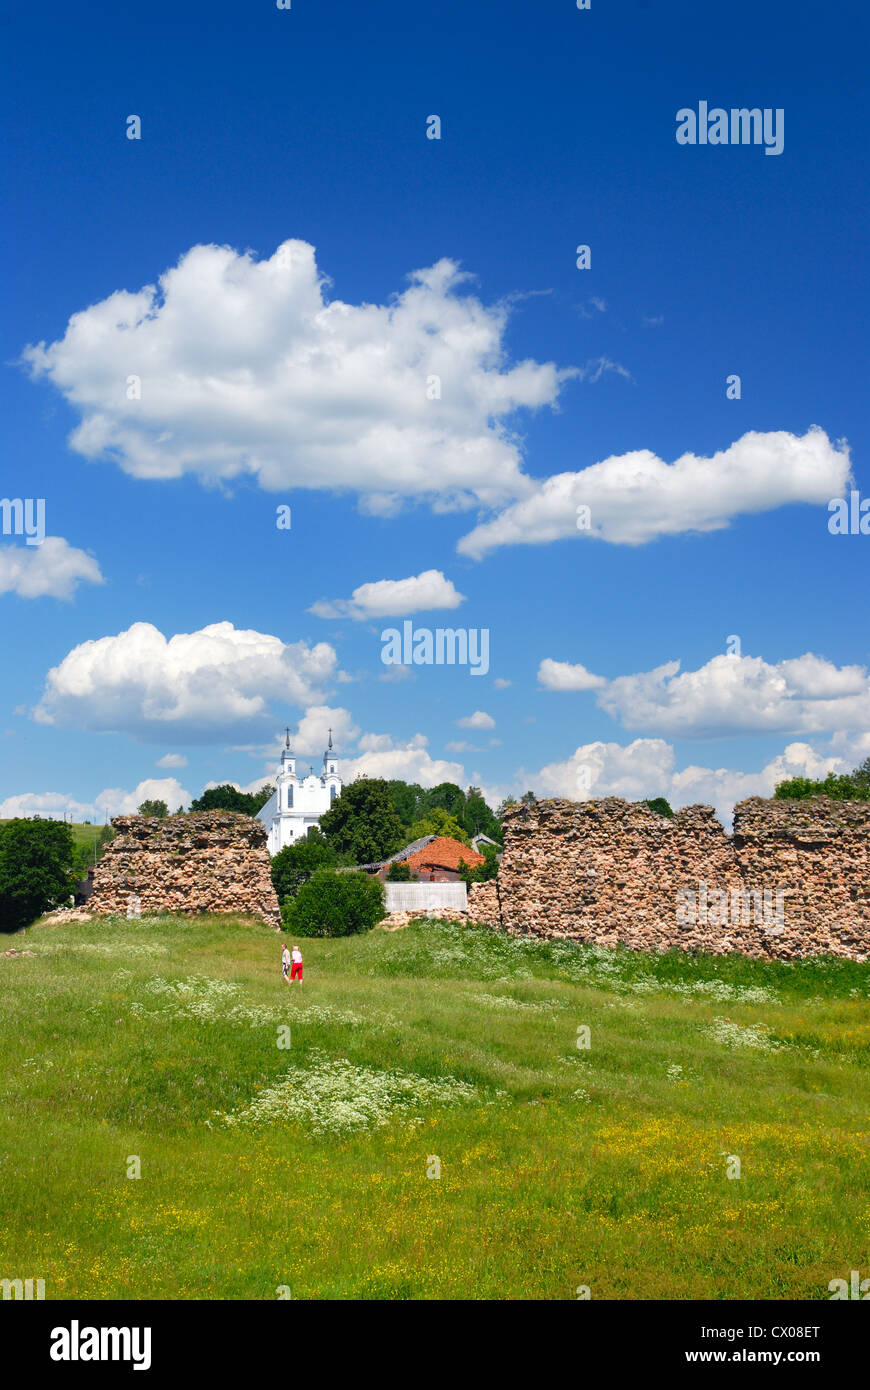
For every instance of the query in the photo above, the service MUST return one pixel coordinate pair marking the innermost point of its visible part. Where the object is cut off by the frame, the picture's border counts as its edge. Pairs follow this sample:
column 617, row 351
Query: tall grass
column 284, row 1134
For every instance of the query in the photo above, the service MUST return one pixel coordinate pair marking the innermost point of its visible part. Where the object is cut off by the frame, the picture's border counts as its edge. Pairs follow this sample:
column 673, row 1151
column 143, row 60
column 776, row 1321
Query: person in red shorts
column 296, row 967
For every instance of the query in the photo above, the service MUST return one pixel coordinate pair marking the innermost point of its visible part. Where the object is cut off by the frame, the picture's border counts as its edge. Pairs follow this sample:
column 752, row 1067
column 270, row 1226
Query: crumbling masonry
column 611, row 871
column 211, row 861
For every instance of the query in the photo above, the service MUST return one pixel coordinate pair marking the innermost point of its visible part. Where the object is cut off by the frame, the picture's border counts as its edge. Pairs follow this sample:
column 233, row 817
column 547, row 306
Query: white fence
column 416, row 897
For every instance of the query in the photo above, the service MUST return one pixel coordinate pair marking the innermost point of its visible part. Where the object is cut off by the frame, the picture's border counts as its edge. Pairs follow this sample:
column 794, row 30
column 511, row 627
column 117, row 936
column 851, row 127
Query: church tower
column 299, row 802
column 287, row 779
column 330, row 777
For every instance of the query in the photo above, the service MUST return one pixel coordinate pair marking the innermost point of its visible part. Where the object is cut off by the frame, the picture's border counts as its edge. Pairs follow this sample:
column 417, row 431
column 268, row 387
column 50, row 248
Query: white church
column 299, row 802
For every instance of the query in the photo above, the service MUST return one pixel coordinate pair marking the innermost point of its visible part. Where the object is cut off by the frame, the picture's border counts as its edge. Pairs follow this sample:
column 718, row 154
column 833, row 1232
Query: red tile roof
column 443, row 853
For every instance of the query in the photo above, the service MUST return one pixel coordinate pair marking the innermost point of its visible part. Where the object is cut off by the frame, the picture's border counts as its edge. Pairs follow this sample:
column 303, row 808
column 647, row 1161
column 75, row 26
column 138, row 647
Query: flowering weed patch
column 336, row 1097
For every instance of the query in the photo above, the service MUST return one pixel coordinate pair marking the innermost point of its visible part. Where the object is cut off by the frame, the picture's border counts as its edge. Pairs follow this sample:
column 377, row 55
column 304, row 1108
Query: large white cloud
column 634, row 498
column 53, row 569
column 383, row 598
column 247, row 368
column 380, row 756
column 730, row 694
column 646, row 768
column 310, row 736
column 196, row 687
column 742, row 694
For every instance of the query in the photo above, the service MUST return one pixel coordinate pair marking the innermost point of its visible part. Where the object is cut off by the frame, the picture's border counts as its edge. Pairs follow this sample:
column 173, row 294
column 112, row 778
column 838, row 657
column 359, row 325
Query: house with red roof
column 432, row 859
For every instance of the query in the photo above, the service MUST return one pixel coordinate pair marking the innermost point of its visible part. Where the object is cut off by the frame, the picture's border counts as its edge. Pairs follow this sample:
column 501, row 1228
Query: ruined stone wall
column 211, row 861
column 818, row 852
column 483, row 903
column 611, row 871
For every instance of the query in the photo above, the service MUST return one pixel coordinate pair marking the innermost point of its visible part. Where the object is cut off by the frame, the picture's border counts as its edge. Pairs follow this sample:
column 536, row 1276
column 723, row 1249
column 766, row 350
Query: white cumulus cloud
column 392, row 598
column 196, row 687
column 245, row 366
column 636, row 497
column 645, row 768
column 742, row 694
column 730, row 694
column 479, row 720
column 563, row 675
column 53, row 569
column 111, row 801
column 312, row 732
column 410, row 761
column 51, row 805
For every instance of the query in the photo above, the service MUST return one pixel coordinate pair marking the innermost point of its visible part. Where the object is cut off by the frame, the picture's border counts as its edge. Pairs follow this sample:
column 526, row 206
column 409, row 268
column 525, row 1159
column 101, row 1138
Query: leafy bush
column 335, row 904
column 839, row 788
column 153, row 808
column 658, row 803
column 36, row 860
column 848, row 786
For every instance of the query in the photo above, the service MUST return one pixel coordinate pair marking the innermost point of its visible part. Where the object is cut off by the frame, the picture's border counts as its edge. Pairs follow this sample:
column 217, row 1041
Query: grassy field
column 304, row 1166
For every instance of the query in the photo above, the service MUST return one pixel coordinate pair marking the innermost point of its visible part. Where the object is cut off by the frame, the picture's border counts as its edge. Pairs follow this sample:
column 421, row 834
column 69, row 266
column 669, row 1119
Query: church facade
column 299, row 802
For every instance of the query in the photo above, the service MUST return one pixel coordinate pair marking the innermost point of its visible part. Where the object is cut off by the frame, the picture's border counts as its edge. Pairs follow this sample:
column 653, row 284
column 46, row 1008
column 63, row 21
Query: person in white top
column 285, row 964
column 296, row 971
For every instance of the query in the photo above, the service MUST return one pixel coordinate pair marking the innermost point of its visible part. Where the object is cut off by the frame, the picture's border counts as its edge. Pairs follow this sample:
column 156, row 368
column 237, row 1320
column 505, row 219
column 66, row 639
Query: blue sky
column 300, row 379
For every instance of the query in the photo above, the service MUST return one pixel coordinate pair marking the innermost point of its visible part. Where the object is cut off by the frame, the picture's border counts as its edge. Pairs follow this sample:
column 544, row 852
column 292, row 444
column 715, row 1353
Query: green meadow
column 289, row 1139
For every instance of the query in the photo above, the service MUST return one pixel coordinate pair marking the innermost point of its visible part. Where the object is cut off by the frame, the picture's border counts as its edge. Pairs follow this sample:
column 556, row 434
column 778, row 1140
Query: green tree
column 477, row 817
column 228, row 798
column 408, row 800
column 153, row 808
column 658, row 803
column 861, row 776
column 259, row 799
column 438, row 822
column 335, row 904
column 363, row 823
column 400, row 872
column 447, row 796
column 294, row 865
column 36, row 864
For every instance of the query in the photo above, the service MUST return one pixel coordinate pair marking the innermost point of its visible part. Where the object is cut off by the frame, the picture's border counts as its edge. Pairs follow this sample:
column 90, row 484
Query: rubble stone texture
column 211, row 861
column 609, row 871
column 394, row 920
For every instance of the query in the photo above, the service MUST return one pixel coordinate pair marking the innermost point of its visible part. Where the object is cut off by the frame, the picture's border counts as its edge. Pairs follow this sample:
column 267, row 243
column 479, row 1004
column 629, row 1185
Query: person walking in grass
column 296, row 971
column 285, row 963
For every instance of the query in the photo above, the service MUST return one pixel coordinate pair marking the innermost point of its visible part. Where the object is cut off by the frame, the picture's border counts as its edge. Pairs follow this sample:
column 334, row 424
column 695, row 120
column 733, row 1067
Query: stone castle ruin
column 210, row 861
column 792, row 881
